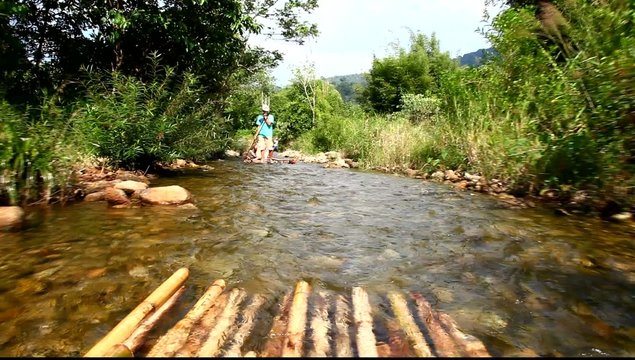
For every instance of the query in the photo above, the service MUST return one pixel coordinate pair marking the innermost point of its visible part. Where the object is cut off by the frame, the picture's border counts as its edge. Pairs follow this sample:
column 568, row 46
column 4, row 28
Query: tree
column 54, row 39
column 417, row 71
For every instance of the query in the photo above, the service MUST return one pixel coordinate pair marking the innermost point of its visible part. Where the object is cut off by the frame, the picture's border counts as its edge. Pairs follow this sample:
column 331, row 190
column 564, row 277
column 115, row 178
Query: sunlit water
column 517, row 279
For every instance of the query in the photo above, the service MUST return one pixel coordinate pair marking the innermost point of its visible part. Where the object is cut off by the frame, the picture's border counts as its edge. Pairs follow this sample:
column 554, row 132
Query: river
column 520, row 280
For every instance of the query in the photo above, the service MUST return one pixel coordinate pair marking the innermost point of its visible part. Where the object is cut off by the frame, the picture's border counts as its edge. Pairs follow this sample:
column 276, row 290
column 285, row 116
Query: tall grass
column 36, row 155
column 136, row 124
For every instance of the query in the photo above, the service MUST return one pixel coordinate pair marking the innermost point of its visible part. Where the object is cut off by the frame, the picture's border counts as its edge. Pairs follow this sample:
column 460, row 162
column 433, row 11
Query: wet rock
column 10, row 216
column 412, row 172
column 30, row 286
column 602, row 328
column 44, row 274
column 188, row 206
column 95, row 273
column 450, row 175
column 130, row 186
column 139, row 272
column 621, row 217
column 100, row 185
column 166, row 195
column 493, row 320
column 438, row 176
column 116, row 197
column 472, row 178
column 443, row 295
column 390, row 254
column 339, row 163
column 581, row 308
column 461, row 185
column 232, row 153
column 332, row 155
column 352, row 164
column 96, row 196
column 587, row 263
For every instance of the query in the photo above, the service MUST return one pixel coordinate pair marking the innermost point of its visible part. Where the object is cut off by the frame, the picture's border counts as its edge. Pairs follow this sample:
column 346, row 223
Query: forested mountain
column 475, row 58
column 345, row 84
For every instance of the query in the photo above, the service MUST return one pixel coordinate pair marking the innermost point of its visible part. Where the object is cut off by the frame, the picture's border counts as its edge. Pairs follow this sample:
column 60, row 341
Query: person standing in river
column 264, row 147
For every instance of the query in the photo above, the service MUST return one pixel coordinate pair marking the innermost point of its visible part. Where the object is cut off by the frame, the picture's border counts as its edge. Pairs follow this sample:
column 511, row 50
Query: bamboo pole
column 320, row 325
column 226, row 319
column 201, row 329
column 245, row 328
column 174, row 339
column 292, row 344
column 127, row 326
column 472, row 346
column 400, row 307
column 273, row 347
column 342, row 324
column 136, row 339
column 364, row 323
column 444, row 345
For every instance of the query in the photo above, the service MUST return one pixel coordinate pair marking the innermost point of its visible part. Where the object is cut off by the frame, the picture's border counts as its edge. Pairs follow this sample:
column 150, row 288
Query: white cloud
column 352, row 31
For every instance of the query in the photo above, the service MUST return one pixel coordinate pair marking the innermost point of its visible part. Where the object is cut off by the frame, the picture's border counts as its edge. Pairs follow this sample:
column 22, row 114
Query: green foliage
column 36, row 157
column 136, row 124
column 417, row 71
column 304, row 105
column 418, row 107
column 44, row 44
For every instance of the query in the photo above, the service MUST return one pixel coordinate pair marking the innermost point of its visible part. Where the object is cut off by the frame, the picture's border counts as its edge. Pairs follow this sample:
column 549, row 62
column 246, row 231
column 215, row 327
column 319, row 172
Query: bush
column 136, row 124
column 36, row 155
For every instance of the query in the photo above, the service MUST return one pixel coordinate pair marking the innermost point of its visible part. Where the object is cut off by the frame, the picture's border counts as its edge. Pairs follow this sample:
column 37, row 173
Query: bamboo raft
column 306, row 324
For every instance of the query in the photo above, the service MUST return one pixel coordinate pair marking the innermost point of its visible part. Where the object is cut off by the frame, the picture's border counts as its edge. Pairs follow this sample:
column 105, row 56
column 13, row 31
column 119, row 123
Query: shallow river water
column 523, row 281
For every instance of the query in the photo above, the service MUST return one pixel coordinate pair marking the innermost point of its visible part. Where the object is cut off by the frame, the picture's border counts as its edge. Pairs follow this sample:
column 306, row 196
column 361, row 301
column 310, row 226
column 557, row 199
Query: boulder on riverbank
column 10, row 216
column 166, row 195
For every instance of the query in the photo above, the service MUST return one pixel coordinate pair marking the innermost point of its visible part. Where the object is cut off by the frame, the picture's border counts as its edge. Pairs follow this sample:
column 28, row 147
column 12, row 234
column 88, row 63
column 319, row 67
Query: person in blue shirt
column 264, row 147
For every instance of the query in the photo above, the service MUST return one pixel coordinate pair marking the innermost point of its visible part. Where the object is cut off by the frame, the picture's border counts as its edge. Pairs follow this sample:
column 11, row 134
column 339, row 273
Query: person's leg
column 268, row 152
column 260, row 148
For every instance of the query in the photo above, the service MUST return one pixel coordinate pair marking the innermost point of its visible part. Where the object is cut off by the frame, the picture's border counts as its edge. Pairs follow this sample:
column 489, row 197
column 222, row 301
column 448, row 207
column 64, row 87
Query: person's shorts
column 264, row 143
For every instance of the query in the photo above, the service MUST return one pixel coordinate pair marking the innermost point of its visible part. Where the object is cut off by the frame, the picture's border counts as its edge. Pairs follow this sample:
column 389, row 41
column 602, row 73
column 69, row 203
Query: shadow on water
column 518, row 279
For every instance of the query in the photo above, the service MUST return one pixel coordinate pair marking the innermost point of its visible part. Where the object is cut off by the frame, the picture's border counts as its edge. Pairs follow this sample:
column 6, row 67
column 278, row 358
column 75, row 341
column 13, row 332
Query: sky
column 352, row 31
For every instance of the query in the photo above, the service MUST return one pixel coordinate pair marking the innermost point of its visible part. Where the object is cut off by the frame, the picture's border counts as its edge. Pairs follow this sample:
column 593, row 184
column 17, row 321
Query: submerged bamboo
column 320, row 326
column 473, row 347
column 292, row 344
column 128, row 325
column 443, row 342
column 397, row 341
column 363, row 323
column 175, row 338
column 402, row 313
column 226, row 319
column 136, row 339
column 273, row 347
column 201, row 328
column 342, row 324
column 245, row 328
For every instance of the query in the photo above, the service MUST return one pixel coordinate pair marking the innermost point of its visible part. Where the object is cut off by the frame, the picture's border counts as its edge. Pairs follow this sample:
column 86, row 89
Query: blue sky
column 352, row 31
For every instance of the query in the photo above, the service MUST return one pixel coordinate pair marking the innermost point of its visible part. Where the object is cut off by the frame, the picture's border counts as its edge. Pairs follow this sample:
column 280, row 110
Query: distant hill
column 475, row 58
column 346, row 84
